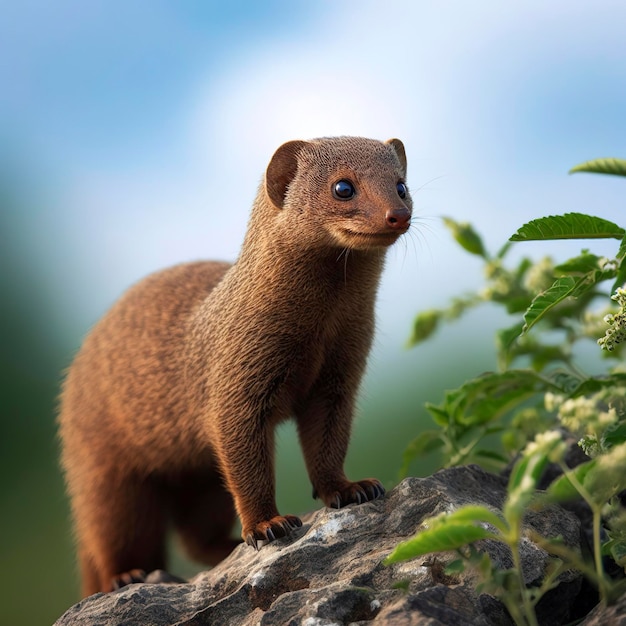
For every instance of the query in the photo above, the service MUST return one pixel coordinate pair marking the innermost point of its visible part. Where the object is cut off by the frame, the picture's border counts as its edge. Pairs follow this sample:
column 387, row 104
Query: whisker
column 432, row 180
column 417, row 234
column 424, row 244
column 406, row 248
column 412, row 237
column 343, row 251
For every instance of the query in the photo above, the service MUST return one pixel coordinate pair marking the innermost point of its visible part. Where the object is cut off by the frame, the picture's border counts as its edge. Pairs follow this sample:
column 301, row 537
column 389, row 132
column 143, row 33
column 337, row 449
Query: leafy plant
column 527, row 405
column 457, row 530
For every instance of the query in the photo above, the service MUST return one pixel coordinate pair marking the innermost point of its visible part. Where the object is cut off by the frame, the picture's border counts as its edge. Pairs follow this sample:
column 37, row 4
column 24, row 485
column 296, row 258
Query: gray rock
column 614, row 615
column 331, row 571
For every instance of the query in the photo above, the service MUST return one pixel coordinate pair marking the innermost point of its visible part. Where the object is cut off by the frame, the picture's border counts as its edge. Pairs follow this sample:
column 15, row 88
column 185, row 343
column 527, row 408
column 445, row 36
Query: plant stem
column 462, row 453
column 569, row 556
column 596, row 509
column 597, row 552
column 529, row 610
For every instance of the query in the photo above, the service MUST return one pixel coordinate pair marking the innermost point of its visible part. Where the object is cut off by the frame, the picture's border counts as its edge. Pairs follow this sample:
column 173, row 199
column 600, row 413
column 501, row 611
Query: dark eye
column 401, row 187
column 343, row 190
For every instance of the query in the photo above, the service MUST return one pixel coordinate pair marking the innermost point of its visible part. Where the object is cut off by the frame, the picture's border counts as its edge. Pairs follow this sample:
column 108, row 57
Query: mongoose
column 169, row 408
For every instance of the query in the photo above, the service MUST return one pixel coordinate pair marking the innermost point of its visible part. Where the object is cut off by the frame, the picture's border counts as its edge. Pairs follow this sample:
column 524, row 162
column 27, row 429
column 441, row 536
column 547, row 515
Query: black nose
column 398, row 218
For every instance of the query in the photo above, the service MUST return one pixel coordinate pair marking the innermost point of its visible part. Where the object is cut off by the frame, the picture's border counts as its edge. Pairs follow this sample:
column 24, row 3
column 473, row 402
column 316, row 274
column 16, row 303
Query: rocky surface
column 331, row 571
column 614, row 615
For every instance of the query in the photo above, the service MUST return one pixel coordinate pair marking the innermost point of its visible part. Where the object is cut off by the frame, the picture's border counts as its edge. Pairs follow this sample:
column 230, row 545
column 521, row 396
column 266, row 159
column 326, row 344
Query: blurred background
column 133, row 136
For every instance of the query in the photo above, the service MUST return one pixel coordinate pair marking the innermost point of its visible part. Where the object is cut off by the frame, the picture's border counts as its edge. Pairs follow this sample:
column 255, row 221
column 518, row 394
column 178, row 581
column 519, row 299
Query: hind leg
column 90, row 581
column 203, row 514
column 121, row 531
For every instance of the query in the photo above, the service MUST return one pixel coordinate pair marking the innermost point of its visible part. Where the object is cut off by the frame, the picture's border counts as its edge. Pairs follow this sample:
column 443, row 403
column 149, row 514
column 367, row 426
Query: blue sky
column 140, row 130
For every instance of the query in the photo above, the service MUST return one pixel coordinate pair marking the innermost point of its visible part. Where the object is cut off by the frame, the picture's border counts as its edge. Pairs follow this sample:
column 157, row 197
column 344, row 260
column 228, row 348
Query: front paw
column 128, row 578
column 279, row 526
column 353, row 493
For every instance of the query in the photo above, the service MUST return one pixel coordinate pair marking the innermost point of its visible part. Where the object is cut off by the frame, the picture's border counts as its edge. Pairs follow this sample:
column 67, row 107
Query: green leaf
column 470, row 513
column 527, row 466
column 543, row 302
column 438, row 540
column 466, row 236
column 439, row 414
column 592, row 385
column 582, row 264
column 425, row 442
column 514, row 302
column 562, row 288
column 620, row 277
column 541, row 355
column 491, row 576
column 455, row 567
column 617, row 550
column 561, row 489
column 448, row 532
column 615, row 436
column 608, row 476
column 403, row 585
column 568, row 226
column 609, row 165
column 491, row 455
column 426, row 323
column 506, row 336
column 459, row 305
column 506, row 344
column 565, row 380
column 489, row 396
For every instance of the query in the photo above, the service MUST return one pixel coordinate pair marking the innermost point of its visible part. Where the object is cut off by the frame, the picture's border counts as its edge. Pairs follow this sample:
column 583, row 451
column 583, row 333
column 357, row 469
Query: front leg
column 246, row 454
column 324, row 426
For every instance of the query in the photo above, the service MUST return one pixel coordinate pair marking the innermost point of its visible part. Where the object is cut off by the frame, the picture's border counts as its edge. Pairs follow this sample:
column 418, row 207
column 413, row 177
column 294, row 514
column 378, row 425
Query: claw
column 371, row 489
column 292, row 522
column 128, row 578
column 272, row 529
column 356, row 493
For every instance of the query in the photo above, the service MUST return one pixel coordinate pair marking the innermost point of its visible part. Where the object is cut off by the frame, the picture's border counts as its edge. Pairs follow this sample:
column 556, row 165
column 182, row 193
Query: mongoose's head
column 344, row 192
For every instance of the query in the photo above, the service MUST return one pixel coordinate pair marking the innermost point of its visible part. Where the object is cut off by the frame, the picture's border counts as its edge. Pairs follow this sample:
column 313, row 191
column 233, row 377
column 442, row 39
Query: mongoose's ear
column 281, row 170
column 398, row 146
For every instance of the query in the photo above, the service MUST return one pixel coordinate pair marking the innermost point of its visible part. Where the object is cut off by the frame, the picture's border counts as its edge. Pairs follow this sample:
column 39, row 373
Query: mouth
column 360, row 239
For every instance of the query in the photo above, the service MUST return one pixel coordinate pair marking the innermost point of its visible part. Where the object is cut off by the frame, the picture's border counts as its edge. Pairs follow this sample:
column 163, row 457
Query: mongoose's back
column 168, row 411
column 125, row 391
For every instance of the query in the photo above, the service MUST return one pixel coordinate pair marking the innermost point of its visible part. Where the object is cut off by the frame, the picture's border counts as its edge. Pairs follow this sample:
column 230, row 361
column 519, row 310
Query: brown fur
column 169, row 409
